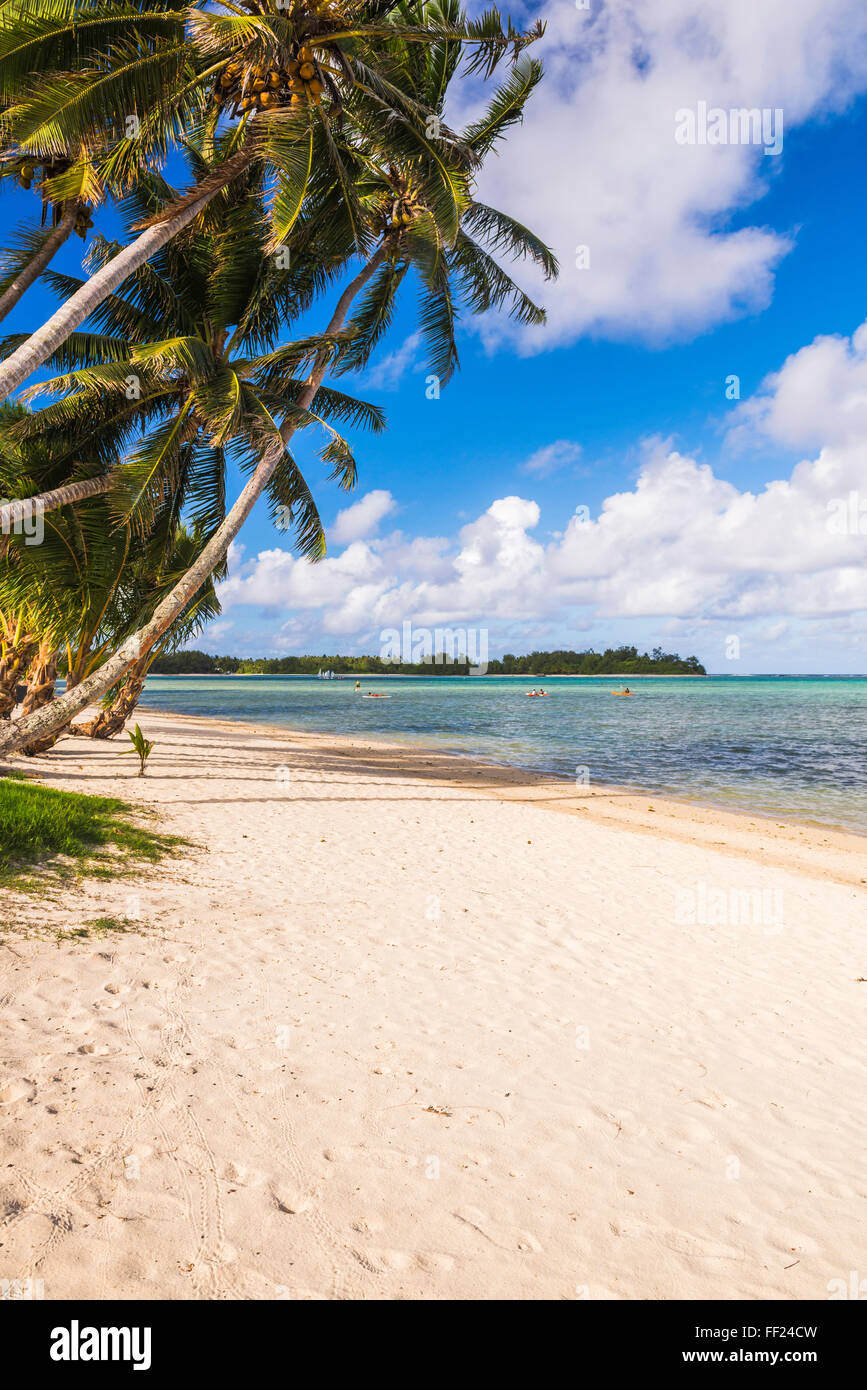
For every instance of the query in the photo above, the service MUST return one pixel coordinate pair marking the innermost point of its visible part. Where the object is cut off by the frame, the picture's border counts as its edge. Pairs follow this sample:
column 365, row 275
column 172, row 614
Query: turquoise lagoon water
column 793, row 746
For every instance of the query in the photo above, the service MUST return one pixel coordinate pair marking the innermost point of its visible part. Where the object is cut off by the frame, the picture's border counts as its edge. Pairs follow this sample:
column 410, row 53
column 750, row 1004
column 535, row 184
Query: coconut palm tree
column 86, row 588
column 177, row 373
column 287, row 71
column 18, row 642
column 119, row 702
column 407, row 233
column 70, row 191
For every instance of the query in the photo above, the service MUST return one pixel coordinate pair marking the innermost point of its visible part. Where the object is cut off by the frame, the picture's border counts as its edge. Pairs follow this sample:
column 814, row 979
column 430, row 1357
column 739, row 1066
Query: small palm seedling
column 140, row 745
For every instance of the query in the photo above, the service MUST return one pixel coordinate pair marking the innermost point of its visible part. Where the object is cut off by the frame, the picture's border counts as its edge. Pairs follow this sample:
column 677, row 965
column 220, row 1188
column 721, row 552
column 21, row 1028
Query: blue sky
column 703, row 264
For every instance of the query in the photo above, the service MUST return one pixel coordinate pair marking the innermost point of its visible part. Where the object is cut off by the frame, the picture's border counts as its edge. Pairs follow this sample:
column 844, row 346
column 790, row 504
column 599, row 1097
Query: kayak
column 376, row 697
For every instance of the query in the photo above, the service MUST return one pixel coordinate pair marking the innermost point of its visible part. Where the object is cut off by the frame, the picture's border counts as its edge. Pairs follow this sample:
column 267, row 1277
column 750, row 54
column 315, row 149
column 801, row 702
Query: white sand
column 401, row 1028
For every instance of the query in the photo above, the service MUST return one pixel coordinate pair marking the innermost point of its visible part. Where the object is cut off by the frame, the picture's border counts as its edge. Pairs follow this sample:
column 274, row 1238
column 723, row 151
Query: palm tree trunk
column 82, row 304
column 43, row 257
column 63, row 709
column 12, row 667
column 10, row 512
column 41, row 679
column 111, row 721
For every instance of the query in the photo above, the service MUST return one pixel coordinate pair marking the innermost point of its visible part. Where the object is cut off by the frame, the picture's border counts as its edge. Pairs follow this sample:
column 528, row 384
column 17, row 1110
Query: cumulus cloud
column 819, row 396
column 362, row 518
column 682, row 545
column 596, row 163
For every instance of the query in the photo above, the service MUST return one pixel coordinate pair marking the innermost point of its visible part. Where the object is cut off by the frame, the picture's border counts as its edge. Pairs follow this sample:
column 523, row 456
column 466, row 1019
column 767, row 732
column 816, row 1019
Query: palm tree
column 120, row 701
column 288, row 72
column 407, row 229
column 18, row 643
column 86, row 588
column 180, row 401
column 70, row 191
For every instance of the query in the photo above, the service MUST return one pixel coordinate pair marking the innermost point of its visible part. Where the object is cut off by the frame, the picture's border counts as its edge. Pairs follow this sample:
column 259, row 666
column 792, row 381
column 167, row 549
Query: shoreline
column 404, row 1026
column 416, row 675
column 564, row 787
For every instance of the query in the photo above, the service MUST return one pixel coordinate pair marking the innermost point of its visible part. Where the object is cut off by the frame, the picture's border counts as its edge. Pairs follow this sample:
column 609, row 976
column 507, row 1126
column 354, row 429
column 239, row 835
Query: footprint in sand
column 434, row 1263
column 291, row 1200
column 505, row 1240
column 93, row 1049
column 19, row 1089
column 239, row 1175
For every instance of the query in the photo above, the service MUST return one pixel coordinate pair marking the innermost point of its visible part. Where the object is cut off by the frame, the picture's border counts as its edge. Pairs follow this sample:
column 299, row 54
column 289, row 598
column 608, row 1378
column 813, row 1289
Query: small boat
column 376, row 697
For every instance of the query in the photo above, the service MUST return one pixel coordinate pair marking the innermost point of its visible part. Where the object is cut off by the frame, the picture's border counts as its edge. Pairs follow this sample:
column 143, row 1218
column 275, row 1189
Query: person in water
column 358, row 685
column 627, row 691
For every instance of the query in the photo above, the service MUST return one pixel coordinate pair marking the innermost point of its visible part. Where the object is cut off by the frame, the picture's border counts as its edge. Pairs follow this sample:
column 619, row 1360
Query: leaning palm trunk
column 43, row 258
column 40, row 345
column 110, row 721
column 42, row 745
column 62, row 710
column 25, row 508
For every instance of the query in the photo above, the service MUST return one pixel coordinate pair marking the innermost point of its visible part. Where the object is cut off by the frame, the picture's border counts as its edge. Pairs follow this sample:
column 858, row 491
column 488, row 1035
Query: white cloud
column 596, row 163
column 362, row 518
column 819, row 396
column 681, row 547
column 387, row 372
column 552, row 457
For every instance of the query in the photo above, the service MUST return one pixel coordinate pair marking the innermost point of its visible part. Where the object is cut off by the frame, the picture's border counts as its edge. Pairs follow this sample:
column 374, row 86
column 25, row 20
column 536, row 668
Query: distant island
column 619, row 661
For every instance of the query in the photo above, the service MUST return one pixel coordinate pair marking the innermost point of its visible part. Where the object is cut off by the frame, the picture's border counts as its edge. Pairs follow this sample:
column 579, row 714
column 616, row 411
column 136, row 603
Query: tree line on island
column 621, row 661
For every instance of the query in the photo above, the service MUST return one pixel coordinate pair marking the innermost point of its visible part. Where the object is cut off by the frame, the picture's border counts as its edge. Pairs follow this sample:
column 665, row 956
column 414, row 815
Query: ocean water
column 778, row 745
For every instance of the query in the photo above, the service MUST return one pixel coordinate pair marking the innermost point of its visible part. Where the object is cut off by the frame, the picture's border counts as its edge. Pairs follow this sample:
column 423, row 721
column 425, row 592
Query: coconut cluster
column 50, row 169
column 401, row 207
column 401, row 213
column 26, row 175
column 265, row 88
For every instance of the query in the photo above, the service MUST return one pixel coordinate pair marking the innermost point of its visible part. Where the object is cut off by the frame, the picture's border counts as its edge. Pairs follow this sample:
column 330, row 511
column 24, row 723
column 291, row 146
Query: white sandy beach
column 402, row 1026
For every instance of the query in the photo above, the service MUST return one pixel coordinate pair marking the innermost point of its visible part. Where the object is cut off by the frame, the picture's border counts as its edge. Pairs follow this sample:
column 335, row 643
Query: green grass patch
column 47, row 835
column 98, row 927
